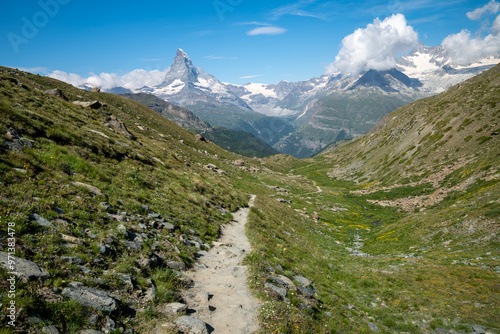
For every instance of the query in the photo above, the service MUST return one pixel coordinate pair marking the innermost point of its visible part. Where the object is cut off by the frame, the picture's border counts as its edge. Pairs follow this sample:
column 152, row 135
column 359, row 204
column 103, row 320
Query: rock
column 105, row 250
column 176, row 265
column 284, row 201
column 280, row 291
column 109, row 325
column 24, row 269
column 211, row 167
column 191, row 325
column 306, row 292
column 478, row 329
column 95, row 90
column 91, row 104
column 167, row 226
column 50, row 330
column 150, row 294
column 89, row 331
column 39, row 220
column 93, row 190
column 315, row 216
column 56, row 92
column 239, row 162
column 374, row 327
column 93, row 319
column 85, row 270
column 91, row 297
column 73, row 260
column 303, row 282
column 132, row 245
column 69, row 238
column 35, row 320
column 174, row 308
column 120, row 127
column 200, row 138
column 284, row 282
column 57, row 210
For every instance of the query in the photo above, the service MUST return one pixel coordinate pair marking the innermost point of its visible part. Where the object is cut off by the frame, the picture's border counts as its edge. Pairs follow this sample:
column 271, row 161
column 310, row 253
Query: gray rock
column 167, row 226
column 73, row 260
column 23, row 269
column 374, row 327
column 85, row 270
column 109, row 325
column 176, row 265
column 278, row 290
column 59, row 211
column 145, row 207
column 35, row 320
column 150, row 294
column 478, row 329
column 132, row 244
column 93, row 319
column 89, row 331
column 56, row 92
column 50, row 330
column 191, row 325
column 87, row 296
column 174, row 308
column 41, row 221
column 105, row 250
column 91, row 104
column 306, row 292
column 303, row 282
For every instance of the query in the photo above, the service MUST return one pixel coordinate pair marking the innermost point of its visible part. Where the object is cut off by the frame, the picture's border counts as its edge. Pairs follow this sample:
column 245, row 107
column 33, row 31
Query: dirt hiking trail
column 220, row 296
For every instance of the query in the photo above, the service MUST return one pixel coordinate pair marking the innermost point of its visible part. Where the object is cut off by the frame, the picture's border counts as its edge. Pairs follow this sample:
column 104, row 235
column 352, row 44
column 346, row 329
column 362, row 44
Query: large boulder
column 23, row 269
column 91, row 297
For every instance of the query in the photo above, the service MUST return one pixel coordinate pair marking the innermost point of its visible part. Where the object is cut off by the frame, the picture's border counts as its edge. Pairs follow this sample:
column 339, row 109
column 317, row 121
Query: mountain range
column 301, row 118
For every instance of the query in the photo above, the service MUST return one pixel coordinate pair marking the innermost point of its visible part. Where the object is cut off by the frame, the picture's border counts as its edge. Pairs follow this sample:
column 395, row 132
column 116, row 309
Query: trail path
column 220, row 296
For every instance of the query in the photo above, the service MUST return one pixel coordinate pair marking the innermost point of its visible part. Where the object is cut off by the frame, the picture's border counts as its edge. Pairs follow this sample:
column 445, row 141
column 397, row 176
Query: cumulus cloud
column 271, row 30
column 374, row 47
column 464, row 49
column 131, row 80
column 491, row 7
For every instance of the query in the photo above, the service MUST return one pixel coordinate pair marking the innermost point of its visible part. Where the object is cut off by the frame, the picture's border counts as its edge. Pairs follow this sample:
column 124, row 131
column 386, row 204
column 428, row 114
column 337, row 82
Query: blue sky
column 237, row 41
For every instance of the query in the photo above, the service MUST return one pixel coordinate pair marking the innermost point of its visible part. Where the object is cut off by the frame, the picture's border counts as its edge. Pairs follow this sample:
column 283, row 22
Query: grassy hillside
column 338, row 116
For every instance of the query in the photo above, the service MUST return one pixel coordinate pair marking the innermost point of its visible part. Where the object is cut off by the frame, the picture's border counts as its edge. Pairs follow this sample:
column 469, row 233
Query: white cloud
column 464, row 50
column 131, row 80
column 39, row 69
column 272, row 30
column 251, row 76
column 491, row 7
column 375, row 47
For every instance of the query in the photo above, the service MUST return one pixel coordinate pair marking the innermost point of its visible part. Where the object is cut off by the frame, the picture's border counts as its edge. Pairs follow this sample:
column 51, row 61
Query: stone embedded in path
column 50, row 330
column 191, row 325
column 174, row 308
column 23, row 269
column 91, row 297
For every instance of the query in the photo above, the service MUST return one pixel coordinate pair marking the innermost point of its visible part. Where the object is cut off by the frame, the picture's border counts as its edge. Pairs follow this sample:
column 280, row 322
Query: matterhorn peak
column 181, row 53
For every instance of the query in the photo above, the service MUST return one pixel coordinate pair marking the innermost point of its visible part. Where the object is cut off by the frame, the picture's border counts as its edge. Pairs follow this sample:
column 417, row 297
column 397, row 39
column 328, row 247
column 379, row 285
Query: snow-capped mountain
column 187, row 85
column 435, row 69
column 213, row 101
column 301, row 118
